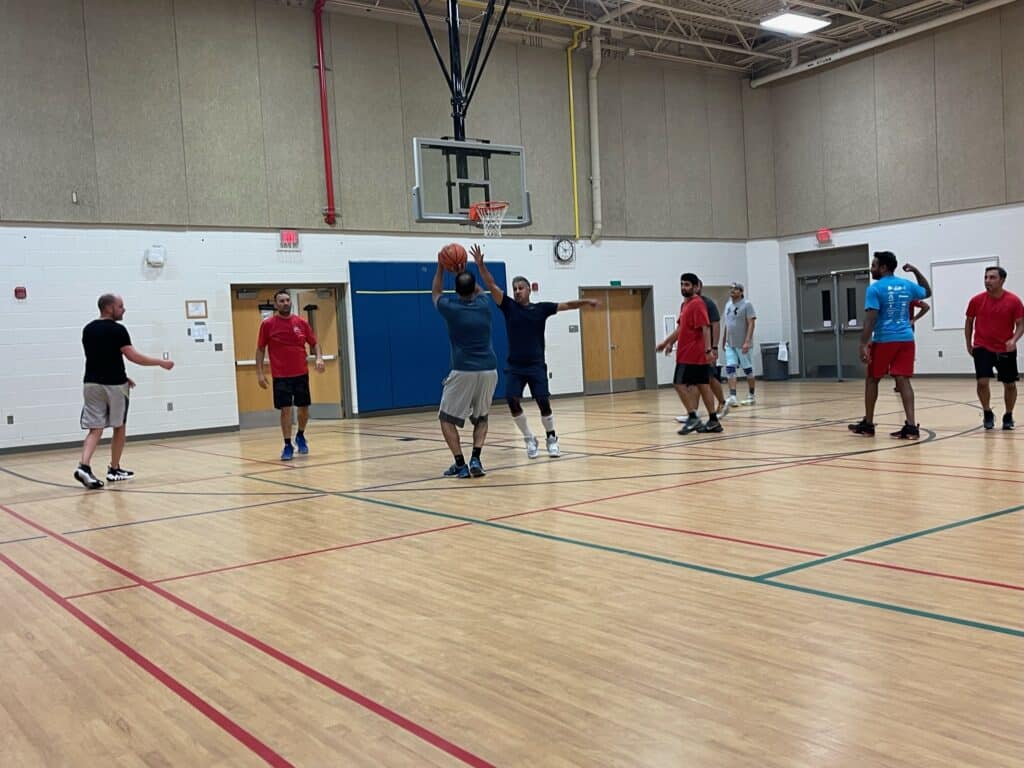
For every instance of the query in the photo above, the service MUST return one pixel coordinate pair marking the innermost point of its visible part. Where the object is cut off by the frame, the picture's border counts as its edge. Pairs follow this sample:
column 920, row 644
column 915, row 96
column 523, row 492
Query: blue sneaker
column 288, row 452
column 456, row 471
column 301, row 444
column 476, row 469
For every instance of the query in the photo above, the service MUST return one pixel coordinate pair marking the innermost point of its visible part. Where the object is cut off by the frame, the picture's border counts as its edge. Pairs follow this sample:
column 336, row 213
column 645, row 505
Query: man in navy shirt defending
column 525, row 321
column 887, row 341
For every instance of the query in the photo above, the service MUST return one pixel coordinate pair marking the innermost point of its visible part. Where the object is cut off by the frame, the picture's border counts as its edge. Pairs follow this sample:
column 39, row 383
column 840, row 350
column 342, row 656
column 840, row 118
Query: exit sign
column 289, row 240
column 614, row 283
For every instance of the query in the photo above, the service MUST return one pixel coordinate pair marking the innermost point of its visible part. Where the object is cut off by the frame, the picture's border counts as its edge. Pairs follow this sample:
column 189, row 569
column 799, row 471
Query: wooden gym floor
column 784, row 594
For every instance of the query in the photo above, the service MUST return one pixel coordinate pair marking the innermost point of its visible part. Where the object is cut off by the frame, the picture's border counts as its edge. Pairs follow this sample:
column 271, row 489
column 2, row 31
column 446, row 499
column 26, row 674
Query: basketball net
column 489, row 215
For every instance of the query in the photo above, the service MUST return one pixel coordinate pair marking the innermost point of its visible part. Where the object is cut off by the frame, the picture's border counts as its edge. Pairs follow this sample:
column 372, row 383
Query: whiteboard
column 954, row 283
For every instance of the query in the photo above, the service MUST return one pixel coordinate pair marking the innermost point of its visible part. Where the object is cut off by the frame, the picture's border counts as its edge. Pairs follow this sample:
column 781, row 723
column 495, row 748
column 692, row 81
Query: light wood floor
column 784, row 594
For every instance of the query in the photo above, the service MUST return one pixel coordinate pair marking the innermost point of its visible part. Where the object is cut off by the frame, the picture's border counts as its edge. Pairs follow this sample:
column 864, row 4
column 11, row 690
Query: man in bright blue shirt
column 887, row 341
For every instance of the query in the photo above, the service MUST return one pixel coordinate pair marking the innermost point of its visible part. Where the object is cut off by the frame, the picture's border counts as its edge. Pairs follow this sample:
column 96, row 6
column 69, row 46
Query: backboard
column 452, row 175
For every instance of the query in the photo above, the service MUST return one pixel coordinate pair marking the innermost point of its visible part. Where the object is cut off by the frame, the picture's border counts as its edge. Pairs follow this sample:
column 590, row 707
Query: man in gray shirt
column 469, row 388
column 737, row 340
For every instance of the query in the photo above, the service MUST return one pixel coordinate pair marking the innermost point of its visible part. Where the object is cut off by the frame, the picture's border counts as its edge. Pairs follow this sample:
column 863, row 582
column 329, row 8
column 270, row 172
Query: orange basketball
column 453, row 258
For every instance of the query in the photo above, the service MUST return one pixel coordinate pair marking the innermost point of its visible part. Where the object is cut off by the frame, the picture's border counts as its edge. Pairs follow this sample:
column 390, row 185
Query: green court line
column 893, row 607
column 886, row 543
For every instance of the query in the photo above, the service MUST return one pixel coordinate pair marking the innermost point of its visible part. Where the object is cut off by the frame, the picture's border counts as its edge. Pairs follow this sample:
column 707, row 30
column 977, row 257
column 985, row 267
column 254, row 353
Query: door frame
column 269, row 418
column 650, row 378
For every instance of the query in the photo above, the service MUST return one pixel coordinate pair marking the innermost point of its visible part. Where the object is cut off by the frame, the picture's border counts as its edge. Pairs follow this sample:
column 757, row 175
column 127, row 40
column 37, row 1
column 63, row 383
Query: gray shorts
column 467, row 394
column 106, row 405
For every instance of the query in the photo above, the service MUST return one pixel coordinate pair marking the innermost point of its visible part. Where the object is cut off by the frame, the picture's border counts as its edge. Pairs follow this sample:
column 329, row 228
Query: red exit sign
column 290, row 239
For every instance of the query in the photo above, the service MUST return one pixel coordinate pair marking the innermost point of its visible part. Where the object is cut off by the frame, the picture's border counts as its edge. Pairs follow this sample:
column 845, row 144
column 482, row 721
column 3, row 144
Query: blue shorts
column 735, row 358
column 534, row 376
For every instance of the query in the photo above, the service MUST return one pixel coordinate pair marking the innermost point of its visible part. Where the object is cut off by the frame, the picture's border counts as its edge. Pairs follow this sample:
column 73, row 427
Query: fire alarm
column 21, row 293
column 824, row 236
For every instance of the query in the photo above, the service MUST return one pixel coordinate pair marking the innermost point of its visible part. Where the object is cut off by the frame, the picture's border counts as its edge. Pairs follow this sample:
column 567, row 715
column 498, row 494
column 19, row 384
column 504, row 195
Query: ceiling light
column 793, row 23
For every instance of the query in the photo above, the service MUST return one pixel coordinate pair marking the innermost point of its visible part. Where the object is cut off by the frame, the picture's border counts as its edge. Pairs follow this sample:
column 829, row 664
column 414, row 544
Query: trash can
column 771, row 368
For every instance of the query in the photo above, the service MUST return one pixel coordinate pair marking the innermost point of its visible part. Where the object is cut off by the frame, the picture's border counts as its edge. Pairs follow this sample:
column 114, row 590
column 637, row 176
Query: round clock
column 565, row 251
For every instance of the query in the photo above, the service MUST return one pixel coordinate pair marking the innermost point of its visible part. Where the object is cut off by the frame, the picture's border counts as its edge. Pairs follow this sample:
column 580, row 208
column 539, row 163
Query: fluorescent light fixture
column 793, row 23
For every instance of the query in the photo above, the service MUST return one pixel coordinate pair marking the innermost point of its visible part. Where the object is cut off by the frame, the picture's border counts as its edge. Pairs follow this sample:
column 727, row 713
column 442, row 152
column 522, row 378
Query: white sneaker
column 750, row 400
column 724, row 410
column 532, row 449
column 682, row 419
column 553, row 451
column 732, row 401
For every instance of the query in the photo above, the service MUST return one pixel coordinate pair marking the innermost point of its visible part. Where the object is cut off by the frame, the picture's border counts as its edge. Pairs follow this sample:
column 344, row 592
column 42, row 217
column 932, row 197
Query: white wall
column 986, row 232
column 66, row 269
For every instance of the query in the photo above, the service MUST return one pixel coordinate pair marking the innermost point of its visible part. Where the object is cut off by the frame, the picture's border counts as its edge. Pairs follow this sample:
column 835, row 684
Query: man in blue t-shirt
column 525, row 322
column 887, row 341
column 469, row 387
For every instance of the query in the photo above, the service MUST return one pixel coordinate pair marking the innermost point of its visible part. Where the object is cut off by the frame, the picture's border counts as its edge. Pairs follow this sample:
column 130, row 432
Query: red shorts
column 891, row 357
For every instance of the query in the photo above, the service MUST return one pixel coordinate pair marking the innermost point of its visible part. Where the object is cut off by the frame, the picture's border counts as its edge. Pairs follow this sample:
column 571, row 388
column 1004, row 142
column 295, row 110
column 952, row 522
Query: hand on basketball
column 477, row 253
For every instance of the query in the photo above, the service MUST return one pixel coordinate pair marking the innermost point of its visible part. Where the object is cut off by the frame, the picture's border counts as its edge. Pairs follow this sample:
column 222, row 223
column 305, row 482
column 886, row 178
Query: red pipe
column 330, row 215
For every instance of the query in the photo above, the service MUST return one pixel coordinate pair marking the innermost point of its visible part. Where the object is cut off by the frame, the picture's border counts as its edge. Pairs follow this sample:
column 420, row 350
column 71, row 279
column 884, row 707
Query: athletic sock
column 460, row 460
column 549, row 423
column 523, row 425
column 287, row 441
column 476, row 452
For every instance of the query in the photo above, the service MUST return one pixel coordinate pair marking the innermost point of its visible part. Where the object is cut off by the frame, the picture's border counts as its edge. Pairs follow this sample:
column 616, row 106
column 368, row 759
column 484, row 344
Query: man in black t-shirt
column 105, row 392
column 525, row 322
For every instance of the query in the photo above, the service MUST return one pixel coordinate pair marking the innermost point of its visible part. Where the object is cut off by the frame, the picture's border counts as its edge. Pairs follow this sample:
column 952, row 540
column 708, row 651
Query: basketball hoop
column 490, row 215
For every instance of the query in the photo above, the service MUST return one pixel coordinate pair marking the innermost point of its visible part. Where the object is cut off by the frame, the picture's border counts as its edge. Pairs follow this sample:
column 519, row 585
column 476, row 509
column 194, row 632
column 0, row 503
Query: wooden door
column 319, row 307
column 246, row 317
column 625, row 315
column 597, row 369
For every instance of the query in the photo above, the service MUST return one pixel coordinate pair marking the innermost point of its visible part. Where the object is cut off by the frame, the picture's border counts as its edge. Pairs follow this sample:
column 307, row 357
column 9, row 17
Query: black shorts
column 1004, row 363
column 714, row 372
column 291, row 390
column 690, row 374
column 517, row 378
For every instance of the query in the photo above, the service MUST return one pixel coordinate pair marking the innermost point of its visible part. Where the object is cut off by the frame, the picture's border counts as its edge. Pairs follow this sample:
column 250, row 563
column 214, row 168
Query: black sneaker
column 710, row 426
column 85, row 476
column 115, row 475
column 862, row 427
column 907, row 432
column 1007, row 421
column 989, row 420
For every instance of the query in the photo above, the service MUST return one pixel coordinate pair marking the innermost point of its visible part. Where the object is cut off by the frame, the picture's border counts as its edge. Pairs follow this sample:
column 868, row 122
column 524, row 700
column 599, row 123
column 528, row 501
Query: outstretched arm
column 577, row 303
column 478, row 256
column 138, row 358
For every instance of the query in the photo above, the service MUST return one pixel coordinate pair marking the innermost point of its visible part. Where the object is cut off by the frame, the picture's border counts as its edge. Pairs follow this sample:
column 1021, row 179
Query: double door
column 613, row 340
column 831, row 316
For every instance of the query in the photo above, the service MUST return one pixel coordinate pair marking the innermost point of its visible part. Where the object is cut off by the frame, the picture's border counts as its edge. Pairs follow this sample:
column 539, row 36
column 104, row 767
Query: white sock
column 548, row 422
column 521, row 422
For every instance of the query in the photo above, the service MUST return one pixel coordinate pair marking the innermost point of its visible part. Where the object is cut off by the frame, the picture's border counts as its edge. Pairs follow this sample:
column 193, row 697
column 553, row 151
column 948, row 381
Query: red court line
column 936, row 574
column 292, row 556
column 690, row 532
column 235, row 730
column 304, row 669
column 933, row 474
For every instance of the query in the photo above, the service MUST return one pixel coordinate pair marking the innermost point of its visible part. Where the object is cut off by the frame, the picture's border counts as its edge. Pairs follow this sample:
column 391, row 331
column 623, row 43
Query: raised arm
column 478, row 256
column 921, row 279
column 437, row 287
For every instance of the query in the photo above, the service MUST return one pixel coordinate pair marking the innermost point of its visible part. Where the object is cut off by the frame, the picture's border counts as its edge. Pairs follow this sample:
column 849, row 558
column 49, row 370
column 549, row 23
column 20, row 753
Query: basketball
column 453, row 258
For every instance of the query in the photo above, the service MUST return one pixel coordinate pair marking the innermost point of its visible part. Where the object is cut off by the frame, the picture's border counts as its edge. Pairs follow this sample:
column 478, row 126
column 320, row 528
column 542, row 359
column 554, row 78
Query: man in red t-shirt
column 693, row 356
column 285, row 337
column 995, row 323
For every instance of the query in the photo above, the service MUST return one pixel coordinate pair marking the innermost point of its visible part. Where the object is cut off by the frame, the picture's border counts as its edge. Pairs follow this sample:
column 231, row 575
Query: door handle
column 613, row 346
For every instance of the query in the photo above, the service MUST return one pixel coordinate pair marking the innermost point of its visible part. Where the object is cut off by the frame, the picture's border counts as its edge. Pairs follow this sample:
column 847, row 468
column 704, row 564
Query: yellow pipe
column 578, row 29
column 572, row 133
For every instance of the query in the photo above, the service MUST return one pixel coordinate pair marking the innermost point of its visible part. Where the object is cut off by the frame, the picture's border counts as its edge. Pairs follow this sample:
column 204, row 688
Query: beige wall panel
column 374, row 188
column 799, row 177
column 728, row 172
column 688, row 157
column 759, row 151
column 969, row 109
column 908, row 182
column 850, row 147
column 225, row 161
column 46, row 134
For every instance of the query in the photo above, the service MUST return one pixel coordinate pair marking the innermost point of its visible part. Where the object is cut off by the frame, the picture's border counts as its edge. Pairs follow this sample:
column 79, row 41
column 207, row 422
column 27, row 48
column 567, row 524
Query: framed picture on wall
column 195, row 309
